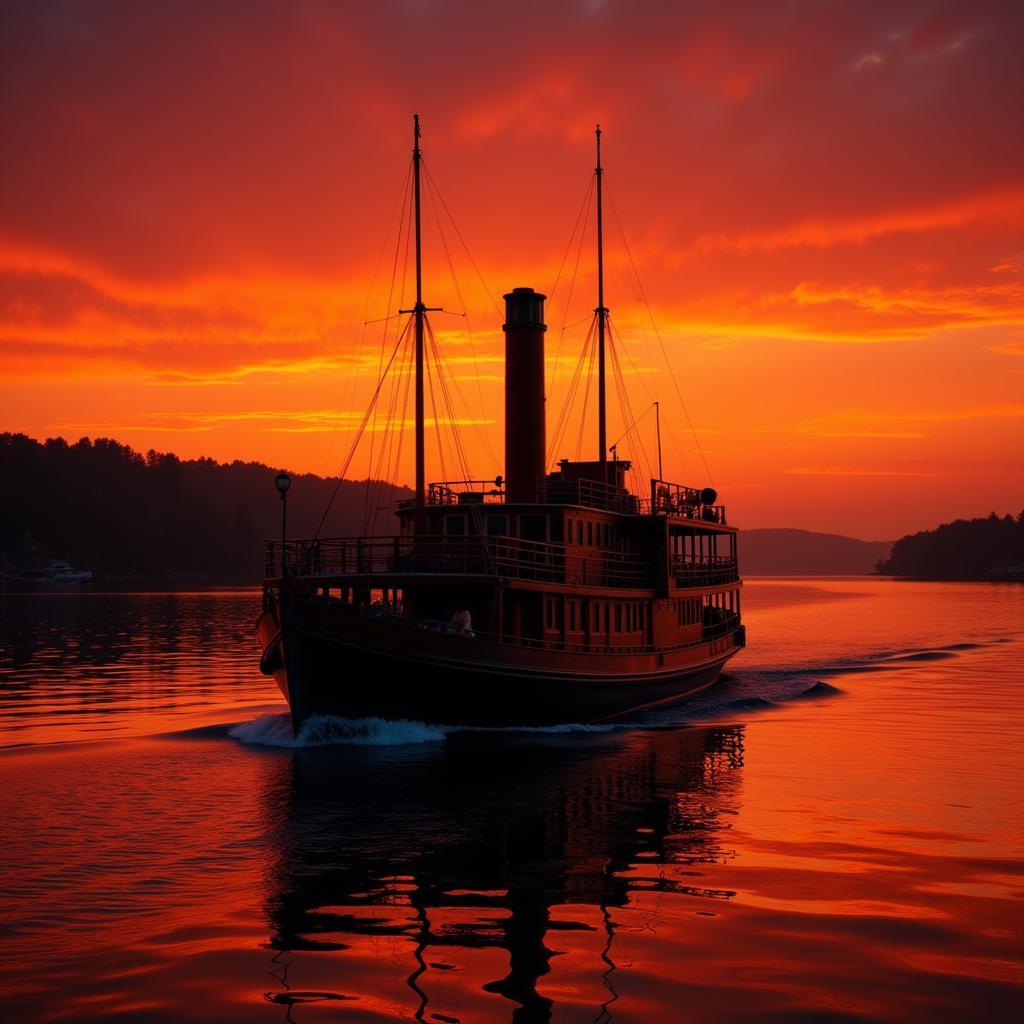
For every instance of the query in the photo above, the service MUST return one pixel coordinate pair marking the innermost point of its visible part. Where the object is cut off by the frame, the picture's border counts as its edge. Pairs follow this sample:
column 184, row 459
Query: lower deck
column 332, row 657
column 599, row 622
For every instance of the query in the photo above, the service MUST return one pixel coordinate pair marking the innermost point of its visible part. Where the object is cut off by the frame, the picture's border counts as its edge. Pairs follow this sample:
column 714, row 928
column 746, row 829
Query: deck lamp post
column 282, row 482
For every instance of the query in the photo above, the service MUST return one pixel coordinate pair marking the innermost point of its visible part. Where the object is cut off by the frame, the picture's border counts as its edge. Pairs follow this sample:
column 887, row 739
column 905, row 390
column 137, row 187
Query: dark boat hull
column 329, row 660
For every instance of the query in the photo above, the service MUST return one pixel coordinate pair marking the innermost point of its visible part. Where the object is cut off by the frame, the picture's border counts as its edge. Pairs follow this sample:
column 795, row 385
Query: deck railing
column 507, row 557
column 709, row 572
column 675, row 499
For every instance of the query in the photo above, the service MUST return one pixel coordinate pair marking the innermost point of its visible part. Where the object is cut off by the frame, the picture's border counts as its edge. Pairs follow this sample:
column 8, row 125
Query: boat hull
column 330, row 660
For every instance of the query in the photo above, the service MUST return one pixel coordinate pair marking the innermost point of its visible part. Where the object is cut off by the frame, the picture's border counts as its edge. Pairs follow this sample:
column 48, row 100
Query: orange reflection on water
column 853, row 852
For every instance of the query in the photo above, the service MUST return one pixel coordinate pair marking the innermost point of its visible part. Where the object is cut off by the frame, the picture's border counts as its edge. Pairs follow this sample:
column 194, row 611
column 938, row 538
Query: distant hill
column 128, row 516
column 803, row 553
column 984, row 548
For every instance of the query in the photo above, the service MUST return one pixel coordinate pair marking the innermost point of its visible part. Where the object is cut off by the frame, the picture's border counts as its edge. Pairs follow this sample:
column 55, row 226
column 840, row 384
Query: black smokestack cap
column 524, row 308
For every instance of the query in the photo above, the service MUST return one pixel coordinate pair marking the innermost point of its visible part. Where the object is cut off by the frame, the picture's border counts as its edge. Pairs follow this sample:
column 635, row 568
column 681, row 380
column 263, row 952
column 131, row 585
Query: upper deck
column 585, row 535
column 560, row 489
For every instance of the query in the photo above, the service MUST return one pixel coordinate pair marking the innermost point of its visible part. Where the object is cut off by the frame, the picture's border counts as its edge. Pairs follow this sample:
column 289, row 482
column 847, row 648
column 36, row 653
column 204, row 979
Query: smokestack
column 525, row 437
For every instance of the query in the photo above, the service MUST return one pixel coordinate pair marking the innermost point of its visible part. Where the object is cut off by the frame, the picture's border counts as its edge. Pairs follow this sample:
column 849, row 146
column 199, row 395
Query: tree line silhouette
column 103, row 506
column 984, row 548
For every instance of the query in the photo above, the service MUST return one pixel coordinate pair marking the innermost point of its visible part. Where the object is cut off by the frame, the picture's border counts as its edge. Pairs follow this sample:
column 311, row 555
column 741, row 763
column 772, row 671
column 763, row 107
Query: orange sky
column 825, row 204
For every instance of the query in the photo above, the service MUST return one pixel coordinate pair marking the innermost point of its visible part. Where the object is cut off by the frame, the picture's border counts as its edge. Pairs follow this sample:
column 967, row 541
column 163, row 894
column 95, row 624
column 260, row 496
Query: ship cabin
column 568, row 560
column 593, row 567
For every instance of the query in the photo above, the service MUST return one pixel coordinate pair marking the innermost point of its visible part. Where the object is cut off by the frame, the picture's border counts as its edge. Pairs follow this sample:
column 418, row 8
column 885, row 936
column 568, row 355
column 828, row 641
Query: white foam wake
column 275, row 730
column 324, row 730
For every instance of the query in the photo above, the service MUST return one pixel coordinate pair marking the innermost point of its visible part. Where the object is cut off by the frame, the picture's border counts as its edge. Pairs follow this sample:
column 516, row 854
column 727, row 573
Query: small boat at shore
column 536, row 597
column 54, row 573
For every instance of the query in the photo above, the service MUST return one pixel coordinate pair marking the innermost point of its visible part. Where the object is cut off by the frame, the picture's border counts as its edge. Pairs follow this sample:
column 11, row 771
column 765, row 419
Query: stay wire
column 570, row 398
column 431, row 192
column 462, row 241
column 359, row 434
column 405, row 224
column 661, row 343
column 402, row 196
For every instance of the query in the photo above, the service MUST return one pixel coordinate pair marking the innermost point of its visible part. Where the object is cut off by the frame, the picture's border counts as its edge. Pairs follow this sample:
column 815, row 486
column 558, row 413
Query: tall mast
column 602, row 316
column 420, row 521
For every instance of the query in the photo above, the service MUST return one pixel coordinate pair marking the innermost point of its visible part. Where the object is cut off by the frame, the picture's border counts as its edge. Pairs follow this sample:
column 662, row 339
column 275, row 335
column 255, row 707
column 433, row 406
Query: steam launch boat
column 535, row 598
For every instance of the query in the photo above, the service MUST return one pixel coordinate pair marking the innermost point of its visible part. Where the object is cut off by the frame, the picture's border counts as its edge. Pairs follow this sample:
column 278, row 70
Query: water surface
column 833, row 833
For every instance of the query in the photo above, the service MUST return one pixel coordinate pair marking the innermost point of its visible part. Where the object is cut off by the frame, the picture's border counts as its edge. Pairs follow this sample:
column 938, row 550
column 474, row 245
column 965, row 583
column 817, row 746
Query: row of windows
column 698, row 547
column 593, row 534
column 605, row 616
column 690, row 610
column 729, row 601
column 494, row 526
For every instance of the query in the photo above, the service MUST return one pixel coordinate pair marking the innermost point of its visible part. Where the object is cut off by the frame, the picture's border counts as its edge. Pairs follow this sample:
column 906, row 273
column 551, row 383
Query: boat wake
column 743, row 691
column 275, row 730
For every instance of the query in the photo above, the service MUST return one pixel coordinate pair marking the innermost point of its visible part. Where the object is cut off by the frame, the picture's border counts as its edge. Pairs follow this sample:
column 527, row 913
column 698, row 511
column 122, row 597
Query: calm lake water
column 832, row 834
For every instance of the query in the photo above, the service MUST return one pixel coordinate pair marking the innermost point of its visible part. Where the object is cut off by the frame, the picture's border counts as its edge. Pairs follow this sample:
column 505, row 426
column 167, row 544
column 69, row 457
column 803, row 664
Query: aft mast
column 602, row 316
column 419, row 310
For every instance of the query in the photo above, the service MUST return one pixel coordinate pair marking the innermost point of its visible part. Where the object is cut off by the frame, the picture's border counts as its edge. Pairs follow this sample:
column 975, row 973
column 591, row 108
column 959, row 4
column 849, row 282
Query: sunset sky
column 824, row 203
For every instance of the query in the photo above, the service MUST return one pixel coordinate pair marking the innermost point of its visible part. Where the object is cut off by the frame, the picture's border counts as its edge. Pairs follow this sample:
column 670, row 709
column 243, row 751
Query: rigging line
column 636, row 276
column 462, row 241
column 405, row 223
column 582, row 320
column 398, row 433
column 572, row 282
column 432, row 193
column 626, row 406
column 684, row 462
column 571, row 392
column 449, row 375
column 444, row 375
column 456, row 435
column 570, row 398
column 637, row 421
column 586, row 397
column 579, row 217
column 624, row 399
column 661, row 343
column 361, row 334
column 675, row 444
column 392, row 427
column 374, row 470
column 359, row 434
column 379, row 482
column 433, row 407
column 576, row 265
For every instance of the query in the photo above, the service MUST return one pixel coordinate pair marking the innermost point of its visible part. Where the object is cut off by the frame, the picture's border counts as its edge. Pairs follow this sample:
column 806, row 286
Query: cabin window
column 553, row 613
column 618, row 618
column 568, row 531
column 455, row 526
column 497, row 526
column 579, row 531
column 533, row 527
column 597, row 618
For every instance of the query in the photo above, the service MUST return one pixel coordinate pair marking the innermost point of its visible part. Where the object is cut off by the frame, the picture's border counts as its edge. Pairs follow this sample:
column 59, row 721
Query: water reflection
column 481, row 863
column 96, row 665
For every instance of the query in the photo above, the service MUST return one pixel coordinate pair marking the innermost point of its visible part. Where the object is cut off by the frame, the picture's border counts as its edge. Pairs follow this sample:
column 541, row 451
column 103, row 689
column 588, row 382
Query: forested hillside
column 129, row 516
column 988, row 548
